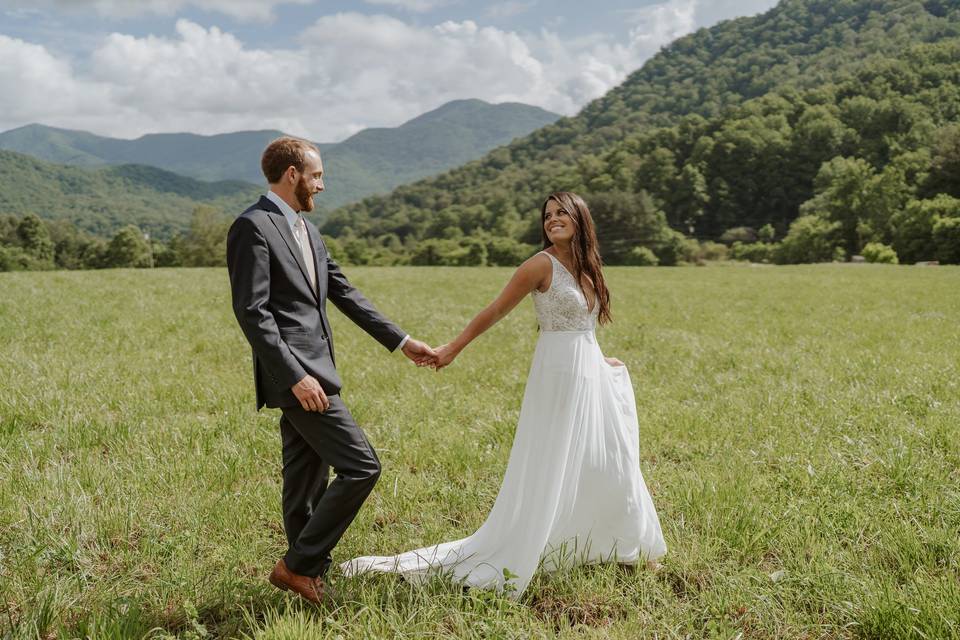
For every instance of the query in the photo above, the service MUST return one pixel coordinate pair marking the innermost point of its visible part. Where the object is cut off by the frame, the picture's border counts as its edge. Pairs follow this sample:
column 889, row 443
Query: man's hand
column 613, row 362
column 420, row 353
column 311, row 395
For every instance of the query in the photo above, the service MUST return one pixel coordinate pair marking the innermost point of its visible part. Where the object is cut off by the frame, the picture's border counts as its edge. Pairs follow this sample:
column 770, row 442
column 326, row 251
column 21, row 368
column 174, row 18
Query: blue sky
column 322, row 69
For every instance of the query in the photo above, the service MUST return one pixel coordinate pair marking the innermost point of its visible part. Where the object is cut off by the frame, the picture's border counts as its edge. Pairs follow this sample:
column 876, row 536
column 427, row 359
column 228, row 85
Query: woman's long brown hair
column 585, row 248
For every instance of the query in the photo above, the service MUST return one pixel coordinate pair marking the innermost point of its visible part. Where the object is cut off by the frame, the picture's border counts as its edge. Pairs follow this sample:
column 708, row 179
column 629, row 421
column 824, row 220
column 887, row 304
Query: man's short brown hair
column 283, row 153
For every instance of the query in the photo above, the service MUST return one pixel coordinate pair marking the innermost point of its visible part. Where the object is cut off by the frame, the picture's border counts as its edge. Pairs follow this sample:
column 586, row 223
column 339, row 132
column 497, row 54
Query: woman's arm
column 530, row 275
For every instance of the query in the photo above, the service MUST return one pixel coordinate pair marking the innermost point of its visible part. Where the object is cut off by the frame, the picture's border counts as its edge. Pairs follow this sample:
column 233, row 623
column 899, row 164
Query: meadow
column 799, row 434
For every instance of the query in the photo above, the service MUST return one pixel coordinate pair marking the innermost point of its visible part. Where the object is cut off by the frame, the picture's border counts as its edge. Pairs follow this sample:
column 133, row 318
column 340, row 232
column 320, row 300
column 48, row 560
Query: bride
column 572, row 492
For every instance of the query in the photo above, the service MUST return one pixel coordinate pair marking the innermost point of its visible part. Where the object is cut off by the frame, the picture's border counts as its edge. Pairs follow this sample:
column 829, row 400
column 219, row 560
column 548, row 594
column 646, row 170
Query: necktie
column 304, row 240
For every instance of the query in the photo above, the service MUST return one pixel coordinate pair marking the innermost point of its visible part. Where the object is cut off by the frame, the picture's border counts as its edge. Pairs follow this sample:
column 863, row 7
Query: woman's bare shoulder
column 538, row 268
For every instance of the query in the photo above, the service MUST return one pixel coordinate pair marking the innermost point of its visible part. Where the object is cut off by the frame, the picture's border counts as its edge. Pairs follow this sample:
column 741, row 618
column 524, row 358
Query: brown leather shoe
column 312, row 589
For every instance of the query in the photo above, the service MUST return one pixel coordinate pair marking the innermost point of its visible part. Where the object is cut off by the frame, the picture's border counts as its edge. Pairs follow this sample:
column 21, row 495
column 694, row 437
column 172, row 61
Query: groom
column 281, row 277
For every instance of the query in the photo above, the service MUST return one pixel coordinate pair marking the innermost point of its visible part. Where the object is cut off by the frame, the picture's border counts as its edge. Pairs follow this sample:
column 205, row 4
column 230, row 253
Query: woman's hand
column 613, row 362
column 445, row 355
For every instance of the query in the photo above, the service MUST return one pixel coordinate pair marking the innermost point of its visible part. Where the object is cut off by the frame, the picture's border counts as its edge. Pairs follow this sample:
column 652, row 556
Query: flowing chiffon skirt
column 572, row 492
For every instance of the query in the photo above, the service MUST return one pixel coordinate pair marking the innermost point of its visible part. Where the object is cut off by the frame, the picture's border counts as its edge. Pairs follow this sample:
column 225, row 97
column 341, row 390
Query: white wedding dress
column 572, row 492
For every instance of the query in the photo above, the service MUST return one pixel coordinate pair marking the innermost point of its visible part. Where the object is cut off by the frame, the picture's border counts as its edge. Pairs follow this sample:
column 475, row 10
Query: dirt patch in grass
column 563, row 610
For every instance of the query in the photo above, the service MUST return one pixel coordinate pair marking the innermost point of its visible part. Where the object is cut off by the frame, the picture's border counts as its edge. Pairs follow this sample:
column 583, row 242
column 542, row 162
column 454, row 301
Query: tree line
column 31, row 243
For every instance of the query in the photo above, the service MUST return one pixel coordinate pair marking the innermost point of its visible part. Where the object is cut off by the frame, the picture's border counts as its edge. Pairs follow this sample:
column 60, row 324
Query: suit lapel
column 280, row 222
column 319, row 259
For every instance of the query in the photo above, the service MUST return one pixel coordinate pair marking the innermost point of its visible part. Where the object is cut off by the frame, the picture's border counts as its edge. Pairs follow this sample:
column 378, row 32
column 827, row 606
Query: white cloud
column 393, row 70
column 346, row 72
column 32, row 80
column 659, row 24
column 390, row 70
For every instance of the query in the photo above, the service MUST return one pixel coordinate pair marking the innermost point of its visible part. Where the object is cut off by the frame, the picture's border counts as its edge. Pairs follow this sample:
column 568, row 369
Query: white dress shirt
column 286, row 210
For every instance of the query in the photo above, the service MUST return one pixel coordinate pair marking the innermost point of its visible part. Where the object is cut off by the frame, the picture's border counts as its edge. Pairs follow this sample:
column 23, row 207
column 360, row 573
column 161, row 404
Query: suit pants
column 316, row 515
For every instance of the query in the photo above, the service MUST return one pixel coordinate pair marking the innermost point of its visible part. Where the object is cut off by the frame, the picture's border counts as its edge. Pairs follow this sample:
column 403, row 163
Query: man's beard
column 303, row 196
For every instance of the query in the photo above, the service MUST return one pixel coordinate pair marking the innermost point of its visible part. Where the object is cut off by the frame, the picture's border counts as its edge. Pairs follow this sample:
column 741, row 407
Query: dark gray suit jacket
column 284, row 320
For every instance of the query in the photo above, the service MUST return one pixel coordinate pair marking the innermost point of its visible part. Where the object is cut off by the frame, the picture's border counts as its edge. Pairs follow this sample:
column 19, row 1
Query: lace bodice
column 563, row 307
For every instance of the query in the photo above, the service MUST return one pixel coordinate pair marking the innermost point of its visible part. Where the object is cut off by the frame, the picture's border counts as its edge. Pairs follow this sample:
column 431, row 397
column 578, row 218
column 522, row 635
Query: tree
column 945, row 164
column 946, row 239
column 766, row 233
column 849, row 191
column 626, row 220
column 642, row 257
column 879, row 253
column 8, row 229
column 507, row 252
column 334, row 248
column 94, row 254
column 690, row 198
column 656, row 173
column 34, row 239
column 474, row 253
column 167, row 255
column 750, row 163
column 205, row 244
column 15, row 259
column 128, row 248
column 754, row 251
column 70, row 253
column 840, row 197
column 430, row 253
column 810, row 239
column 356, row 251
column 818, row 136
column 913, row 237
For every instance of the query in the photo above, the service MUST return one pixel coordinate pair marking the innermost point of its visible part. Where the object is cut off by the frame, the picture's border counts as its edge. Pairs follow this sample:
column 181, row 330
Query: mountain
column 369, row 162
column 377, row 160
column 103, row 199
column 731, row 125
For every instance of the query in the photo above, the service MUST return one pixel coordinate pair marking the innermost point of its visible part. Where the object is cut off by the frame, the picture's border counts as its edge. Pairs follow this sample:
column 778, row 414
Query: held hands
column 310, row 394
column 613, row 362
column 420, row 353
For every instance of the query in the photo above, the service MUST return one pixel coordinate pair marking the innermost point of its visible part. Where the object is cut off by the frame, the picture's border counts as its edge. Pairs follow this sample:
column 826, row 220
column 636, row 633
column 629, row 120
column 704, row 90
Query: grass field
column 800, row 433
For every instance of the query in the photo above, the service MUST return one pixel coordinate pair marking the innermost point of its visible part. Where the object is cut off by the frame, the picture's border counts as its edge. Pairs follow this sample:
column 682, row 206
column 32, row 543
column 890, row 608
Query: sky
column 321, row 69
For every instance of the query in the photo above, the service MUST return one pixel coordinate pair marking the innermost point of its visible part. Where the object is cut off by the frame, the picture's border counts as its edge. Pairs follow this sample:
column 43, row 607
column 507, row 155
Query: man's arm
column 361, row 311
column 248, row 263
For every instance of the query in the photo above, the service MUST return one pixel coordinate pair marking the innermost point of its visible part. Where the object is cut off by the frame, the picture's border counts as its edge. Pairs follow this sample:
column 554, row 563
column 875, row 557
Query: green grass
column 799, row 432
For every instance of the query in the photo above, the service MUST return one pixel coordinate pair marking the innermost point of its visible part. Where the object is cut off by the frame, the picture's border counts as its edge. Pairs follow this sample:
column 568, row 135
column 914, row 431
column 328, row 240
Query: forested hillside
column 811, row 132
column 101, row 201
